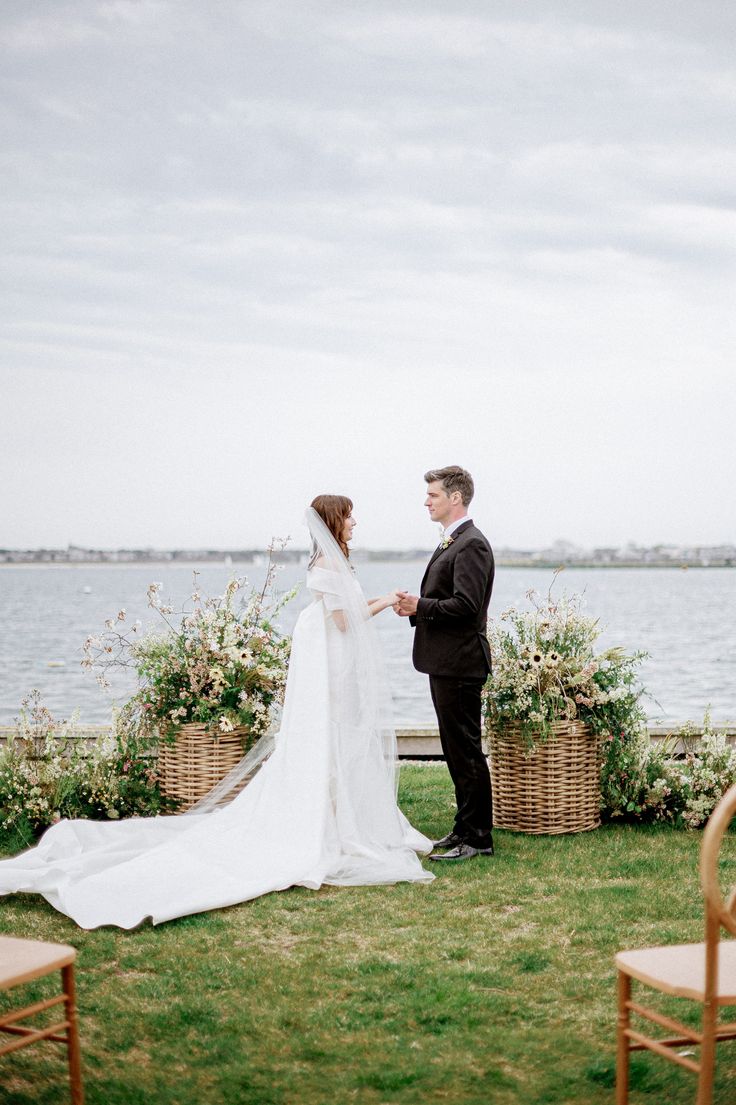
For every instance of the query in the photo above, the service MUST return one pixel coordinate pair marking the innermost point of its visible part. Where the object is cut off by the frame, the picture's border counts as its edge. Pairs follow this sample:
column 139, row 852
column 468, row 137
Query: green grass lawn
column 494, row 984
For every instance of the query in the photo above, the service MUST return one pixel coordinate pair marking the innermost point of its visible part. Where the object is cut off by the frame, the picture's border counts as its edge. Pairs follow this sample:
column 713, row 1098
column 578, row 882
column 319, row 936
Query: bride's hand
column 392, row 598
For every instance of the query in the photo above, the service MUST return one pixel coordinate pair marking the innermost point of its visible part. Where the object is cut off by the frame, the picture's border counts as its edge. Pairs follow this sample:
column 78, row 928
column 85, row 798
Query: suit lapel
column 430, row 562
column 440, row 550
column 462, row 528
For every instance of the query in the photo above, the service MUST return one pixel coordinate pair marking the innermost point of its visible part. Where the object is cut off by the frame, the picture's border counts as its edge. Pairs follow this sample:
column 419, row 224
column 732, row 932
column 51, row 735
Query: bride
column 321, row 810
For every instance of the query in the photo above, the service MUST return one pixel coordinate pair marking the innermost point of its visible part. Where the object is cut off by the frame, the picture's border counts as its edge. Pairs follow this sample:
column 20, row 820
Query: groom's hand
column 406, row 605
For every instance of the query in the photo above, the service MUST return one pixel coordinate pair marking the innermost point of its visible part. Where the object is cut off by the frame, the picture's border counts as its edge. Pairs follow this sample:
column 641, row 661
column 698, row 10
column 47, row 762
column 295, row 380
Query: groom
column 450, row 645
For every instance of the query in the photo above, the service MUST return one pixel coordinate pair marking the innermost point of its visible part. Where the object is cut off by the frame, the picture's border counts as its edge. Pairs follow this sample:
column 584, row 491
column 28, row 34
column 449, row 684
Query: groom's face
column 439, row 504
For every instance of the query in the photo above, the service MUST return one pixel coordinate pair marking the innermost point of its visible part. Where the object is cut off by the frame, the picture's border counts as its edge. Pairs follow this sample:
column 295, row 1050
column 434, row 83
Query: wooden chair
column 705, row 973
column 23, row 961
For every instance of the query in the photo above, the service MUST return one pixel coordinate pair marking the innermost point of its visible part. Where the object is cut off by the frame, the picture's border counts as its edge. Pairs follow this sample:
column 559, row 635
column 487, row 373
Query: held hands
column 405, row 604
column 391, row 598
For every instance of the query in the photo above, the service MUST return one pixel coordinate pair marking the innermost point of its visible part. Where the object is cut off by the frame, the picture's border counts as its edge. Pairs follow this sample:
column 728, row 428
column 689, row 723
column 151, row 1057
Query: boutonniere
column 446, row 542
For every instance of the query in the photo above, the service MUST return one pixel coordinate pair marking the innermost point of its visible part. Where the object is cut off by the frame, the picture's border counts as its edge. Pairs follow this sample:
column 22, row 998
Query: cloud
column 53, row 34
column 336, row 214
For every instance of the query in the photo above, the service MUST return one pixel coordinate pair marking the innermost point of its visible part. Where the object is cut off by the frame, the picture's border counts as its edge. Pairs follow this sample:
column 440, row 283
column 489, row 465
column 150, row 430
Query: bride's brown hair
column 334, row 510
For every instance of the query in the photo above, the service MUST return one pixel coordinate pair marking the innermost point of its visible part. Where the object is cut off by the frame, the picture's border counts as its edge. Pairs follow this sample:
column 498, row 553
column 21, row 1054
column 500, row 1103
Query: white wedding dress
column 322, row 808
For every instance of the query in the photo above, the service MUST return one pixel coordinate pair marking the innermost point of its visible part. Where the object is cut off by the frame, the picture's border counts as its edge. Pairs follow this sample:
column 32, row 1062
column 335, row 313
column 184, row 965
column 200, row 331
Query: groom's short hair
column 452, row 479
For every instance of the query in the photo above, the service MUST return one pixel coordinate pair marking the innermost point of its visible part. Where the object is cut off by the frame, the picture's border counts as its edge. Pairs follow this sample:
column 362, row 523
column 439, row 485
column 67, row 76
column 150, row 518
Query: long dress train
column 321, row 810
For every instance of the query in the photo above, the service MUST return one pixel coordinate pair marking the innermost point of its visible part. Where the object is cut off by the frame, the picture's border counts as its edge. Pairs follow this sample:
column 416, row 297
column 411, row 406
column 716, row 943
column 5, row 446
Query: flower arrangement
column 223, row 665
column 652, row 782
column 546, row 670
column 48, row 770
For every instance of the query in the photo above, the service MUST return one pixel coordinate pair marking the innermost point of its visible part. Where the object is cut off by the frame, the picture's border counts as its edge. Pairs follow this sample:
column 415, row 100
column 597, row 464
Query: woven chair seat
column 680, row 970
column 704, row 973
column 23, row 961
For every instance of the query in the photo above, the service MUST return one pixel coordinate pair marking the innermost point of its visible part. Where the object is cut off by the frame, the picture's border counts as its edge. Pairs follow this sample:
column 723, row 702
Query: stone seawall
column 424, row 742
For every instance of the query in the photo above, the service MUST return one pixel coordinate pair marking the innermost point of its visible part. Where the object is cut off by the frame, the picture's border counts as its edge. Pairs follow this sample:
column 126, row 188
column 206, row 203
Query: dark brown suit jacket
column 450, row 622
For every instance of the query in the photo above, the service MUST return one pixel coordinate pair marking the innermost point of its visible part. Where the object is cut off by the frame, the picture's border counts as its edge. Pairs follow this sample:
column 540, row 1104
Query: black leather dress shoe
column 450, row 841
column 461, row 852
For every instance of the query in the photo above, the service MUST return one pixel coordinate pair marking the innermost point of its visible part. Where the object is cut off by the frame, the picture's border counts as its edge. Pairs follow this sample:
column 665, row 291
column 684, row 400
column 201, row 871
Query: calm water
column 684, row 619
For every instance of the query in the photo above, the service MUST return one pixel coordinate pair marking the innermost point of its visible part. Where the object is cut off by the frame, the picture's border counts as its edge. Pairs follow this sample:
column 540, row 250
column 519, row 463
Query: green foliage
column 546, row 670
column 642, row 780
column 49, row 771
column 223, row 665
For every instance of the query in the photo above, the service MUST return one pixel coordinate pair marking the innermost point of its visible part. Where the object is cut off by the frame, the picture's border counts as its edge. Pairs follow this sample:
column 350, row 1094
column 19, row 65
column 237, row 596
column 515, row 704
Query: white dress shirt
column 453, row 526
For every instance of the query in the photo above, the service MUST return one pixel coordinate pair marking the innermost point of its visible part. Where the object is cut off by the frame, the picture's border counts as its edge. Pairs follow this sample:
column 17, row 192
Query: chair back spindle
column 705, row 973
column 722, row 911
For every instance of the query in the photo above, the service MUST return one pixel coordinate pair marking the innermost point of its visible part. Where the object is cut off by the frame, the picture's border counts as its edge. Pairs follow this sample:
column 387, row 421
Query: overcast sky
column 256, row 251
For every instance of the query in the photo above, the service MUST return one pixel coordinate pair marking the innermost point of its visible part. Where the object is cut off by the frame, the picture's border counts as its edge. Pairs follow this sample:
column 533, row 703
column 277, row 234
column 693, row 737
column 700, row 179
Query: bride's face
column 347, row 528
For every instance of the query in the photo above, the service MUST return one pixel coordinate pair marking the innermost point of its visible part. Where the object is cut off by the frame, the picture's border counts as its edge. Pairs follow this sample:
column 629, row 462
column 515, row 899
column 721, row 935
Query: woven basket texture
column 554, row 789
column 197, row 761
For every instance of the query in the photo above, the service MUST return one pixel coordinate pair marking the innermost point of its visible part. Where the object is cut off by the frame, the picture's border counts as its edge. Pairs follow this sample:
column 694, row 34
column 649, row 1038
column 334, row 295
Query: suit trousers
column 457, row 704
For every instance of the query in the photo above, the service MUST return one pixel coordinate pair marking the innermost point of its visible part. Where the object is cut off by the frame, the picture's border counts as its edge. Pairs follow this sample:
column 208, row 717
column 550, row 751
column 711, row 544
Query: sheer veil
column 320, row 811
column 360, row 700
column 360, row 691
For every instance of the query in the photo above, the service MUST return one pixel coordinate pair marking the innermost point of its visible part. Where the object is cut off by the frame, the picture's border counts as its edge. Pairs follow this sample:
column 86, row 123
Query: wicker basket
column 554, row 789
column 196, row 761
